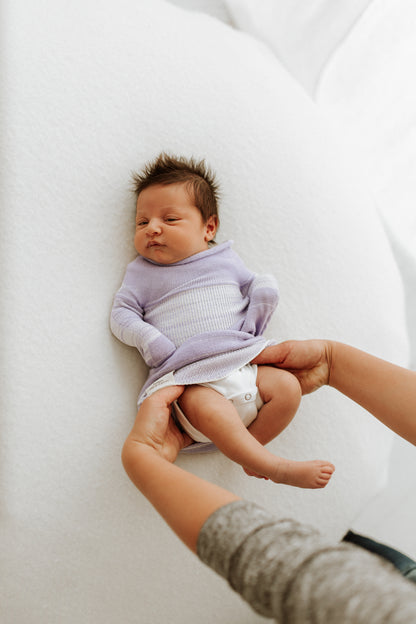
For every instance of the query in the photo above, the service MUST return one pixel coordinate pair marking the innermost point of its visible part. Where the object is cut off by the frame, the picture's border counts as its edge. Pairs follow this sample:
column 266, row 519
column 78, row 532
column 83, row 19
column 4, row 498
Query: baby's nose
column 153, row 227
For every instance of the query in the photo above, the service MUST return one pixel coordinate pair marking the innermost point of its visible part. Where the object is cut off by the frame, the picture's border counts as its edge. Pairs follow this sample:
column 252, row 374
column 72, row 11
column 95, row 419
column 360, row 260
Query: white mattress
column 92, row 91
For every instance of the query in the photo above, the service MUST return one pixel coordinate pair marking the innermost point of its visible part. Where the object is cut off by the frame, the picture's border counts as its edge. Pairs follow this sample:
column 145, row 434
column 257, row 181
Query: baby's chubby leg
column 216, row 417
column 281, row 394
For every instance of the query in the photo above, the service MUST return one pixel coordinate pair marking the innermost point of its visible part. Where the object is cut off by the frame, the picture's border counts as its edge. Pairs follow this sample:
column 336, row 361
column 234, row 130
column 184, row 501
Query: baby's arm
column 264, row 296
column 127, row 325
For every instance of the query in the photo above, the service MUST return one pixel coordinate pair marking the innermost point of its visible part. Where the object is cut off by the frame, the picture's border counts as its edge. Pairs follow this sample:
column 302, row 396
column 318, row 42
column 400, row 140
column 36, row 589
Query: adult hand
column 309, row 360
column 154, row 427
column 148, row 455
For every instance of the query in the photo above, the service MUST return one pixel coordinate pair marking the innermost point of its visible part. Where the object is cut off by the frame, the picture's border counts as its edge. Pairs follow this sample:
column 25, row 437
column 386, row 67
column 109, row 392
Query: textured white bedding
column 356, row 59
column 90, row 93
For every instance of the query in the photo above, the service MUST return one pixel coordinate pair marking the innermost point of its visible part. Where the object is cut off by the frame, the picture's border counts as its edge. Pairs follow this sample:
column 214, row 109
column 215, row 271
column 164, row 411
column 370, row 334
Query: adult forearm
column 184, row 500
column 387, row 391
column 286, row 570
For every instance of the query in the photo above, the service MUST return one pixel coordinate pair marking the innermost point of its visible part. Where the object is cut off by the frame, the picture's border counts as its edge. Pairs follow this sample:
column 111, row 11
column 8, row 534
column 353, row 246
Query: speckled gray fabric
column 287, row 571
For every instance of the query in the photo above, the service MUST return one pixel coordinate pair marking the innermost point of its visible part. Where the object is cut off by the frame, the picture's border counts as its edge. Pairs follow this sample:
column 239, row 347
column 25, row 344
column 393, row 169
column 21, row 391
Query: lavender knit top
column 196, row 320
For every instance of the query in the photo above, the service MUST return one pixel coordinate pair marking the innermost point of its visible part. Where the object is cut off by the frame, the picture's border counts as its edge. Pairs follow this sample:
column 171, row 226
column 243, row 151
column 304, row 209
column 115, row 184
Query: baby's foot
column 305, row 474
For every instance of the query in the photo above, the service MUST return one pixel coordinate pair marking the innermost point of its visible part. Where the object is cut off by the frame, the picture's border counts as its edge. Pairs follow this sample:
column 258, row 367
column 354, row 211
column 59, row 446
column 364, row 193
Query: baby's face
column 169, row 227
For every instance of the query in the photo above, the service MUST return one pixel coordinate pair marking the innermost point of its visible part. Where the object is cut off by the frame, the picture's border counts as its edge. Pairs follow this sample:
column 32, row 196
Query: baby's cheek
column 138, row 242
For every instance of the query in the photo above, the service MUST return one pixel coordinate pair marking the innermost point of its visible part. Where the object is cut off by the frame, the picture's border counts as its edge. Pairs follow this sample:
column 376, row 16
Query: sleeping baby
column 197, row 316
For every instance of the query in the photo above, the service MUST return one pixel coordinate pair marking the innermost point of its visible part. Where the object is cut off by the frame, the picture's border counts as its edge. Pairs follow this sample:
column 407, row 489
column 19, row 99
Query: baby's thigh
column 278, row 385
column 199, row 403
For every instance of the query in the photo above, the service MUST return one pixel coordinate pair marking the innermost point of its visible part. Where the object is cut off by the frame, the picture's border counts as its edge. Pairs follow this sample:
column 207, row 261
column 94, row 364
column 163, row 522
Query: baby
column 197, row 316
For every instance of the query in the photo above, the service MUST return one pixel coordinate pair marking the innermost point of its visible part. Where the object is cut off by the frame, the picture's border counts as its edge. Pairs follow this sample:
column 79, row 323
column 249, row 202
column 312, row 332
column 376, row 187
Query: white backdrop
column 91, row 91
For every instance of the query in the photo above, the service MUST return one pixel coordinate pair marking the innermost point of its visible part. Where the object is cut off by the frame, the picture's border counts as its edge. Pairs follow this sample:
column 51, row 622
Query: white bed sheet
column 368, row 88
column 356, row 59
column 91, row 91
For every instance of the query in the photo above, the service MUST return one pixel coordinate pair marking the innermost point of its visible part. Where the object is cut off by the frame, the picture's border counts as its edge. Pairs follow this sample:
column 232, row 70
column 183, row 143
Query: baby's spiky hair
column 198, row 178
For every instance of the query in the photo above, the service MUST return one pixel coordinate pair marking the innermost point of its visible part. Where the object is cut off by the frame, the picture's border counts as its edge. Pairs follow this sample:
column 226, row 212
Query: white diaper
column 240, row 388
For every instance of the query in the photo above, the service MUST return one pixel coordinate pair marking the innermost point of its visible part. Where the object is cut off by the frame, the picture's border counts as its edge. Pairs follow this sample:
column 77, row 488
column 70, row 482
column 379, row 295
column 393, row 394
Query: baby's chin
column 160, row 254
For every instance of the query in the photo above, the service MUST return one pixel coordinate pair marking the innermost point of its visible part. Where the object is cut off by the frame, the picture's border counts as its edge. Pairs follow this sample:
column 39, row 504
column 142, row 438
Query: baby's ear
column 211, row 227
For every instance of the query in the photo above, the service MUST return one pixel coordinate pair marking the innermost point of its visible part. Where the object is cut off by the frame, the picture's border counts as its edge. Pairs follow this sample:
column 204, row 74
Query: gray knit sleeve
column 288, row 571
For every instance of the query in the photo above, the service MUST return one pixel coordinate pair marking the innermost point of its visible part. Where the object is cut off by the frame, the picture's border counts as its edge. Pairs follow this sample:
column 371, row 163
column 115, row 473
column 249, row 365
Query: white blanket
column 91, row 91
column 356, row 59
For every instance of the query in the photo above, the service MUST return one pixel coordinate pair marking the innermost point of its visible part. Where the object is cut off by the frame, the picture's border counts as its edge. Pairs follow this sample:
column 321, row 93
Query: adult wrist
column 332, row 348
column 136, row 457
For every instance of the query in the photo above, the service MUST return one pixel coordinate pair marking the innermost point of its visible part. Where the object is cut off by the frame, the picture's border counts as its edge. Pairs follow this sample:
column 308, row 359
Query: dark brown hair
column 199, row 179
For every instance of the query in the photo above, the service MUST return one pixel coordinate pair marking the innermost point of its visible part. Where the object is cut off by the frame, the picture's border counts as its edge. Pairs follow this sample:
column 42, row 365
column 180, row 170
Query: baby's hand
column 158, row 351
